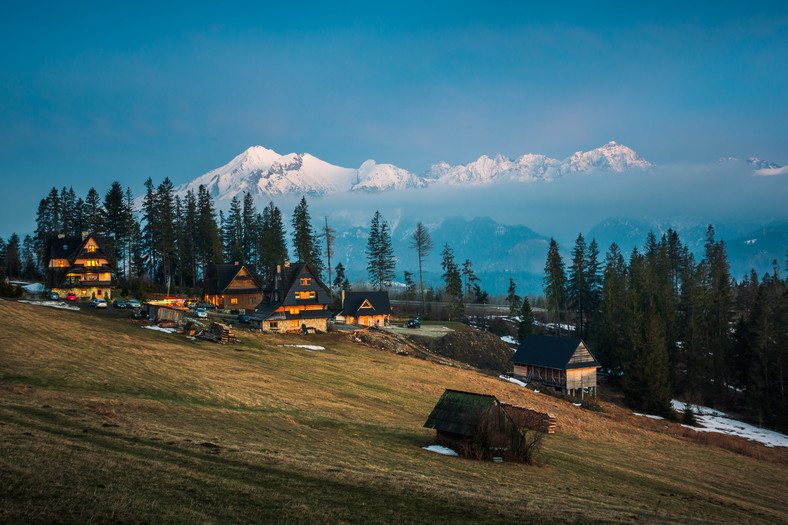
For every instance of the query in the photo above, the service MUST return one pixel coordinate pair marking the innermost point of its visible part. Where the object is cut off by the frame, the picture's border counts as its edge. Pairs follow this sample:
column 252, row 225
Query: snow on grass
column 53, row 304
column 513, row 380
column 647, row 415
column 306, row 347
column 30, row 287
column 441, row 450
column 508, row 339
column 716, row 421
column 160, row 329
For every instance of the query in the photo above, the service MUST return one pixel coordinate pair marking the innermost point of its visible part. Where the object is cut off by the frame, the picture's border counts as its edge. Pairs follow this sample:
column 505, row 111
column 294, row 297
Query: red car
column 71, row 297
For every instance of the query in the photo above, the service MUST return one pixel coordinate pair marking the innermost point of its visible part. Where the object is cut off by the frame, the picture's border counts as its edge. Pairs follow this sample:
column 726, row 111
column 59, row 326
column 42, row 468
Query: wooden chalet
column 295, row 301
column 479, row 425
column 365, row 308
column 83, row 265
column 232, row 286
column 563, row 363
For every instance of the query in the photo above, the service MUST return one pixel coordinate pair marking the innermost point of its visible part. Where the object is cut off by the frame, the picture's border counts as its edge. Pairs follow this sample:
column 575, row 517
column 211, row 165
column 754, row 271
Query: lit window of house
column 92, row 262
column 234, row 300
column 91, row 248
column 306, row 281
column 305, row 295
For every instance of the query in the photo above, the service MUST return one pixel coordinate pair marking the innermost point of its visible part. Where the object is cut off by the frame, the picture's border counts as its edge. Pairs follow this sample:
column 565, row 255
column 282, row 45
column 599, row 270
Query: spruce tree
column 249, row 229
column 577, row 286
column 526, row 324
column 555, row 284
column 451, row 276
column 512, row 298
column 272, row 243
column 305, row 243
column 380, row 256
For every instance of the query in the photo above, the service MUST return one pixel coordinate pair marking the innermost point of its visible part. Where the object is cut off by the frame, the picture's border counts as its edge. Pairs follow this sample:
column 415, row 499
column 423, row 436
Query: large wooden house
column 365, row 308
column 296, row 300
column 563, row 363
column 232, row 286
column 83, row 265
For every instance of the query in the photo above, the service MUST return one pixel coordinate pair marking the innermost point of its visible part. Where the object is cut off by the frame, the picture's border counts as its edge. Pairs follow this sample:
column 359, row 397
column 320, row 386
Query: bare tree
column 422, row 243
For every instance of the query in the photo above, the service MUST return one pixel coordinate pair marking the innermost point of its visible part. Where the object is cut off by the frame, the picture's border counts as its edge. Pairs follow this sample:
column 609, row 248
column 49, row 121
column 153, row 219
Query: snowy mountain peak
column 373, row 177
column 612, row 156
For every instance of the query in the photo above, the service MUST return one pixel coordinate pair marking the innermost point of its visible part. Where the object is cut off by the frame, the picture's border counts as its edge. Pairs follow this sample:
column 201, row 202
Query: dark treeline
column 170, row 240
column 665, row 324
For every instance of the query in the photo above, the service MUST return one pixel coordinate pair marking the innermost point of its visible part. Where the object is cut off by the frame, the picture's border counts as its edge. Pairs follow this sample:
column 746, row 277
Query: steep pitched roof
column 366, row 303
column 219, row 276
column 282, row 292
column 459, row 412
column 560, row 353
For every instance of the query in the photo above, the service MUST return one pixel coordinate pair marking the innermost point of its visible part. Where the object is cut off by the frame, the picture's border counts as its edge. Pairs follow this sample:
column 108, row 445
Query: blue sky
column 92, row 93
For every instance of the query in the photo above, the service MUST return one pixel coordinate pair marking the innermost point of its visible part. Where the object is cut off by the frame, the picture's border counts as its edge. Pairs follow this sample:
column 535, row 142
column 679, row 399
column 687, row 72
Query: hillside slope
column 104, row 421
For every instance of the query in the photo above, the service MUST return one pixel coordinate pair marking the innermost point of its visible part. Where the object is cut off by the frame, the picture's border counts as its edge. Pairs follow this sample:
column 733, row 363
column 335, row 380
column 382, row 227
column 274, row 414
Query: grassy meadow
column 103, row 421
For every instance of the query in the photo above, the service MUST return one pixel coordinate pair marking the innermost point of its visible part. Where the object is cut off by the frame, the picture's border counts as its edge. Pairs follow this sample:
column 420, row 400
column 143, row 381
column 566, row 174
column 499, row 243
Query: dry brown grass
column 182, row 431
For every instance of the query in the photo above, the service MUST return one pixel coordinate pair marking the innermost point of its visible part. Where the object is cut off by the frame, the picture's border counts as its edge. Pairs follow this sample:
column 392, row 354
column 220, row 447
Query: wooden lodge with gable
column 563, row 363
column 83, row 265
column 296, row 300
column 365, row 308
column 232, row 286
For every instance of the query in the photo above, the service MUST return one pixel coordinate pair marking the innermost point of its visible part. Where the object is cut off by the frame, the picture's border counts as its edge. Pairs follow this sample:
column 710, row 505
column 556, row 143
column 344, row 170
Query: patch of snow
column 53, row 304
column 716, row 421
column 160, row 329
column 578, row 404
column 647, row 415
column 751, row 241
column 30, row 287
column 513, row 380
column 441, row 450
column 537, row 391
column 508, row 339
column 306, row 347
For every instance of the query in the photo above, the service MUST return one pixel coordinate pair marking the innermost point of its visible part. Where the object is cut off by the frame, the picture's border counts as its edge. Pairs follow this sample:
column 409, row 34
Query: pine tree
column 13, row 263
column 512, row 298
column 272, row 244
column 593, row 282
column 209, row 242
column 340, row 281
column 410, row 285
column 469, row 277
column 305, row 243
column 422, row 243
column 328, row 235
column 115, row 218
column 232, row 232
column 611, row 331
column 555, row 283
column 92, row 212
column 526, row 324
column 380, row 257
column 249, row 230
column 577, row 286
column 480, row 296
column 165, row 238
column 451, row 276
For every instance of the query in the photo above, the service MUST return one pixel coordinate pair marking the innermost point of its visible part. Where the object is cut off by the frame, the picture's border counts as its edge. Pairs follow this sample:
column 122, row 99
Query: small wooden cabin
column 365, row 308
column 83, row 265
column 232, row 286
column 479, row 425
column 296, row 300
column 563, row 363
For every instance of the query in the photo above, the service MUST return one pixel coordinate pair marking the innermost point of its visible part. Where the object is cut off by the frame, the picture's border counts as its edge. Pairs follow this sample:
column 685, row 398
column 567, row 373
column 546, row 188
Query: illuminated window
column 305, row 295
column 91, row 277
column 294, row 323
column 84, row 292
column 306, row 281
column 92, row 262
column 234, row 300
column 91, row 248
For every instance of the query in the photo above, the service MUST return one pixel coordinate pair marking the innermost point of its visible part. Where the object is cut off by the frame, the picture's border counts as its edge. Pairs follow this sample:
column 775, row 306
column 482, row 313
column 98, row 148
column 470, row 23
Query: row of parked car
column 97, row 302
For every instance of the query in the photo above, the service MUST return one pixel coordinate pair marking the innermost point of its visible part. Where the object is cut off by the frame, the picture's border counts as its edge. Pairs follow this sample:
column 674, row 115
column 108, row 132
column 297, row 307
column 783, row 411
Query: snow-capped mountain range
column 265, row 173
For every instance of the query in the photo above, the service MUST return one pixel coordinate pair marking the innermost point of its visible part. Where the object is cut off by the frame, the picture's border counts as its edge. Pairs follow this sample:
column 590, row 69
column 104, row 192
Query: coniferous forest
column 661, row 321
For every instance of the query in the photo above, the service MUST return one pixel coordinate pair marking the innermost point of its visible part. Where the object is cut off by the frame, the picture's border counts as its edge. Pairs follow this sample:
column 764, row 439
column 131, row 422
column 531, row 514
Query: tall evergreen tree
column 13, row 262
column 611, row 330
column 469, row 278
column 340, row 281
column 526, row 324
column 380, row 256
column 328, row 235
column 232, row 232
column 305, row 242
column 512, row 298
column 272, row 243
column 92, row 212
column 555, row 284
column 422, row 243
column 577, row 286
column 249, row 229
column 451, row 276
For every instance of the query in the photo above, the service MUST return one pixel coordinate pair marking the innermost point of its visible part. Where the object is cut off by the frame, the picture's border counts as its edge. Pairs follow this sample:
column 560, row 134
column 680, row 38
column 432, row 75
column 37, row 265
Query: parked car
column 71, row 296
column 243, row 318
column 201, row 312
column 54, row 296
column 119, row 303
column 133, row 303
column 98, row 303
column 414, row 323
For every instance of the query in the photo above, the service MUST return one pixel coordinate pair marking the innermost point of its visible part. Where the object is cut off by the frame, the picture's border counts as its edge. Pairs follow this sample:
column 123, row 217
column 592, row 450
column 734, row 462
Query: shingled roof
column 282, row 290
column 219, row 276
column 560, row 353
column 459, row 412
column 366, row 303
